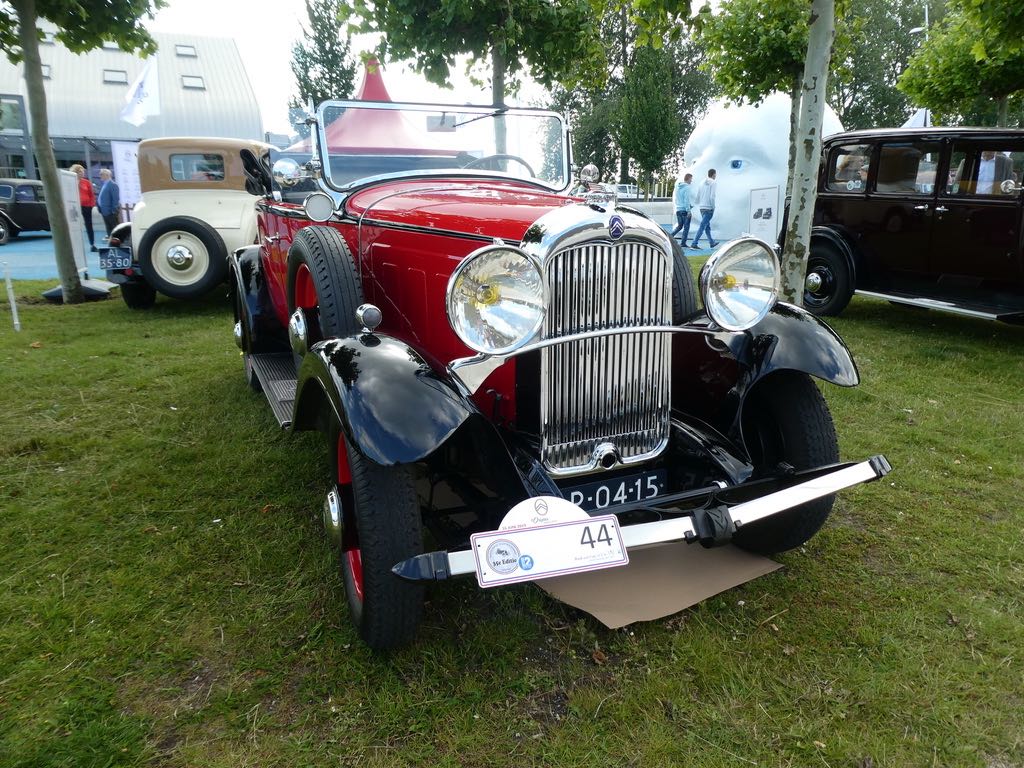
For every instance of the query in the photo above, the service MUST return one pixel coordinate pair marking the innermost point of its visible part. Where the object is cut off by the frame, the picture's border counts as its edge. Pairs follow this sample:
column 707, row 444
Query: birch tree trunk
column 794, row 127
column 70, row 285
column 808, row 150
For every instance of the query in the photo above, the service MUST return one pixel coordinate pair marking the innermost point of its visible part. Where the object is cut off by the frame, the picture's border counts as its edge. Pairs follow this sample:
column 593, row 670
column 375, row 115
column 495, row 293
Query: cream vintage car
column 198, row 204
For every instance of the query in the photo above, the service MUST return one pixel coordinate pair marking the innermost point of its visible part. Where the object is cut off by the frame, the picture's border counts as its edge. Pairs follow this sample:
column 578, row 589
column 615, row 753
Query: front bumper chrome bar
column 708, row 526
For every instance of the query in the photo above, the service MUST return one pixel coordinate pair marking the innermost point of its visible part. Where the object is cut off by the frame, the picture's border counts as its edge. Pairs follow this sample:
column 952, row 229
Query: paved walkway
column 30, row 256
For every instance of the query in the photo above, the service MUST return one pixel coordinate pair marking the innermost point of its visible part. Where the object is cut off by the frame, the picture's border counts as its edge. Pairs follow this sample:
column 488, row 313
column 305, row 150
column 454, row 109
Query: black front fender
column 791, row 338
column 265, row 333
column 392, row 406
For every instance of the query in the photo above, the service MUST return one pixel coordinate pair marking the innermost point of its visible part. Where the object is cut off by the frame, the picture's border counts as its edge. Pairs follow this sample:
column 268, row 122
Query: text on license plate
column 627, row 489
column 115, row 258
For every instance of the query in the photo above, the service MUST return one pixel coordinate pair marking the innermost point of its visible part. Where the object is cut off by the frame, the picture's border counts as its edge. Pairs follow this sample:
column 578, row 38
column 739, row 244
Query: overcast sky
column 265, row 31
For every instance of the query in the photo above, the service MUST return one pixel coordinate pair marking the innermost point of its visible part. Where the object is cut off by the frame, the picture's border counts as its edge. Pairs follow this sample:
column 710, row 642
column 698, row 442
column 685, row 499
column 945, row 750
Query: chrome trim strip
column 470, row 372
column 462, row 563
column 942, row 306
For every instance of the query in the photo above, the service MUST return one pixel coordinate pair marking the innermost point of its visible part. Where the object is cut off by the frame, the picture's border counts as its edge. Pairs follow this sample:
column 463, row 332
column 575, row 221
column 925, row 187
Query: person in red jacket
column 87, row 198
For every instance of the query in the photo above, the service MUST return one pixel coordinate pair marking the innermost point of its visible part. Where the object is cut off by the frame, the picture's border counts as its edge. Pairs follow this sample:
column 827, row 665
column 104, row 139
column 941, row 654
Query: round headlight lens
column 740, row 284
column 496, row 300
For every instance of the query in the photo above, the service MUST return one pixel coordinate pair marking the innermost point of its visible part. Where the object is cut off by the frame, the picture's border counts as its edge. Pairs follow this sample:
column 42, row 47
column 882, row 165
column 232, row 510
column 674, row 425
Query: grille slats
column 613, row 389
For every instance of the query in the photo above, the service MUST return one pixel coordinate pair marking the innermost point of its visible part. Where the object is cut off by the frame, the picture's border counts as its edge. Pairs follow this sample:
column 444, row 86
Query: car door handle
column 941, row 209
column 921, row 207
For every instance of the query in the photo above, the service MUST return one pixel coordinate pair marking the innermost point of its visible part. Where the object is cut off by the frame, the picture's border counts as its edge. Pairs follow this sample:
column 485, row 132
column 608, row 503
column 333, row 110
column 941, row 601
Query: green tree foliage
column 946, row 76
column 648, row 127
column 321, row 60
column 755, row 47
column 862, row 85
column 594, row 112
column 81, row 26
column 1004, row 22
column 552, row 40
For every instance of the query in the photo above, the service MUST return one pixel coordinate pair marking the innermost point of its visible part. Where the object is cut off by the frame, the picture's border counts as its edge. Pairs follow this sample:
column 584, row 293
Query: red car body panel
column 408, row 237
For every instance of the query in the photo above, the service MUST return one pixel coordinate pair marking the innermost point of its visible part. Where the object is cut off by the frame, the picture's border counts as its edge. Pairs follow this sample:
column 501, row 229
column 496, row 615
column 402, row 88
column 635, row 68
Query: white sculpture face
column 749, row 147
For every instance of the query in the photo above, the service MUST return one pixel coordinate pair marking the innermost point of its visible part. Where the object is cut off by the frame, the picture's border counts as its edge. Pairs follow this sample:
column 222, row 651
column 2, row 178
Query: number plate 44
column 529, row 554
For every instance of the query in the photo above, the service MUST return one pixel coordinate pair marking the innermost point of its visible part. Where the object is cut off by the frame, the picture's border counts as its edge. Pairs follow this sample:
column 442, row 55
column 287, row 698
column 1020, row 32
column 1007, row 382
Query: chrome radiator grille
column 613, row 389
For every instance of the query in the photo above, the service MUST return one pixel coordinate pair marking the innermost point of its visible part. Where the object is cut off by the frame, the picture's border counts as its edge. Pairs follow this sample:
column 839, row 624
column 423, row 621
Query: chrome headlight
column 496, row 299
column 740, row 284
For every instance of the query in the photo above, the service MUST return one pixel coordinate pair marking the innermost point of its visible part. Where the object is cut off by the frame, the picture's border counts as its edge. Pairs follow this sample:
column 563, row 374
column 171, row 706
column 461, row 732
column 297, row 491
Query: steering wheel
column 490, row 162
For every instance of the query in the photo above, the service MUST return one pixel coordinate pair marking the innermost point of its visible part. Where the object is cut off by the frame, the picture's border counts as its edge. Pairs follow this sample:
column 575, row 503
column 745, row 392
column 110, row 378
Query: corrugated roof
column 80, row 103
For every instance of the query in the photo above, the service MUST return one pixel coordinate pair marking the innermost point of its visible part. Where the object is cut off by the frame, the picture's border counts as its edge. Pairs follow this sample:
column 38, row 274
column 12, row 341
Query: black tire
column 786, row 419
column 322, row 252
column 382, row 523
column 138, row 294
column 5, row 231
column 832, row 271
column 206, row 264
column 684, row 288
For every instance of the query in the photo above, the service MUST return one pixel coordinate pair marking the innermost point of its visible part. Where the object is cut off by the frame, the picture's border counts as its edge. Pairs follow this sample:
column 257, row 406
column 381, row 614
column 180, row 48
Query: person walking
column 681, row 198
column 87, row 199
column 706, row 204
column 109, row 200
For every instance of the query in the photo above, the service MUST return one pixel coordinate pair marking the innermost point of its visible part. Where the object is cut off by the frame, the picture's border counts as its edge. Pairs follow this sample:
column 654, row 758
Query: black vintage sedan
column 22, row 207
column 930, row 217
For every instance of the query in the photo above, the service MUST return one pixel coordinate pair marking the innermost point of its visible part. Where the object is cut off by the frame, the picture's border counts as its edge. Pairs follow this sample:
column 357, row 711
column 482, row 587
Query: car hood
column 490, row 208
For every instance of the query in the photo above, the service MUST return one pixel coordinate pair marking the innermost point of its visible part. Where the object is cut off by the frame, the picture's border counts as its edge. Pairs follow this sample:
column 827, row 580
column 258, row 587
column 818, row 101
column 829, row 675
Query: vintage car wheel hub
column 180, row 258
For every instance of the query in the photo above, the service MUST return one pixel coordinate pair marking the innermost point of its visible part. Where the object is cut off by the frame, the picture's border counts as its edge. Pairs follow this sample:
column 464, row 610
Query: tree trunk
column 1001, row 111
column 805, row 174
column 498, row 69
column 794, row 126
column 70, row 285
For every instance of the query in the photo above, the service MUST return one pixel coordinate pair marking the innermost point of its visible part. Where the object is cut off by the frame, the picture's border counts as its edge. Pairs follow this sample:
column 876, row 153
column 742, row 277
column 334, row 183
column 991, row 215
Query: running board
column 1015, row 318
column 276, row 372
column 706, row 526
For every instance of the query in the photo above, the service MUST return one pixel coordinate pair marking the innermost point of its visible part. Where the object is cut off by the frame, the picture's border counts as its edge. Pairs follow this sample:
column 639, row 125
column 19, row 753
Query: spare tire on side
column 183, row 257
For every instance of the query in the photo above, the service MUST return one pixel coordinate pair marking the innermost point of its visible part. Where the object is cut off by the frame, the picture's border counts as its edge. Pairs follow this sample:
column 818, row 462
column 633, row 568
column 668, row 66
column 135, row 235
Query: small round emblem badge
column 616, row 227
column 503, row 556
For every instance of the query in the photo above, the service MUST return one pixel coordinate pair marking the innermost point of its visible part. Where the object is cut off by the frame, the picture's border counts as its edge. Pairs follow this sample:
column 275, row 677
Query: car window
column 25, row 194
column 6, row 191
column 848, row 166
column 980, row 169
column 197, row 167
column 907, row 168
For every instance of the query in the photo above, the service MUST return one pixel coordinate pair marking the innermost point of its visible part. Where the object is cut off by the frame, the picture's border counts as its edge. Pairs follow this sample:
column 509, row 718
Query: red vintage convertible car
column 523, row 375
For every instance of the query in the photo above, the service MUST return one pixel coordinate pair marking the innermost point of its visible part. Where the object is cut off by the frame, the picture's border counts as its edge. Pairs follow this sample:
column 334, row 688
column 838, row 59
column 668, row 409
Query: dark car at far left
column 22, row 207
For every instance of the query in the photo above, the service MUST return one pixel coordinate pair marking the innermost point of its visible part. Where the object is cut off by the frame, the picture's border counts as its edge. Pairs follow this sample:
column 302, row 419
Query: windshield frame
column 319, row 141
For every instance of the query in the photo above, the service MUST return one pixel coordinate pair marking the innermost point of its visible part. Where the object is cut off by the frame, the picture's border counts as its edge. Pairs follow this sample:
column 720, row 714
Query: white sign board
column 764, row 215
column 126, row 170
column 73, row 210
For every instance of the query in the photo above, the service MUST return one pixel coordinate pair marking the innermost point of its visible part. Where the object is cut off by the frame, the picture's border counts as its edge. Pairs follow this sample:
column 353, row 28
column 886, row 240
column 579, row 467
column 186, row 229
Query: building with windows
column 203, row 91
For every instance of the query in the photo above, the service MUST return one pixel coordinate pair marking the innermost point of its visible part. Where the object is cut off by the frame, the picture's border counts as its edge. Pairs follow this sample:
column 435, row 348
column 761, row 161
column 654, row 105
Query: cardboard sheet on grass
column 660, row 580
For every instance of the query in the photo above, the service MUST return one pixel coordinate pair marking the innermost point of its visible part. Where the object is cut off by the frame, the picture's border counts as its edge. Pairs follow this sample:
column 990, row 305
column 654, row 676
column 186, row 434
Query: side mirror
column 287, row 172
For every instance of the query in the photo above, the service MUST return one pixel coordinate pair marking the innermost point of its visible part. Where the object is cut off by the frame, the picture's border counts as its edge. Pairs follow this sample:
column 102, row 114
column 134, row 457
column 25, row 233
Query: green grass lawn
column 167, row 596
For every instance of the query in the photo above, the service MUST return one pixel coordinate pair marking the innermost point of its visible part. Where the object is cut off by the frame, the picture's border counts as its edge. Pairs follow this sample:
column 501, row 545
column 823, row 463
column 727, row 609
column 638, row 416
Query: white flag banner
column 143, row 97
